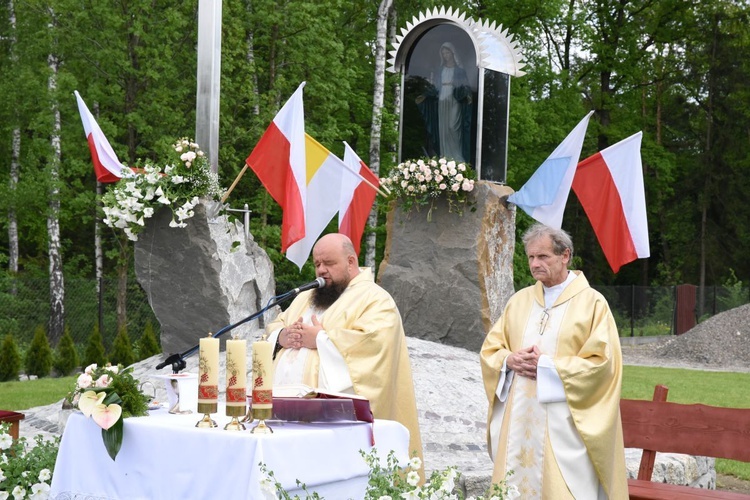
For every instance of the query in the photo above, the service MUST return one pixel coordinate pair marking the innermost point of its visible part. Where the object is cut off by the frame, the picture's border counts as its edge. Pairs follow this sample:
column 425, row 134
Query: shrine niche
column 455, row 81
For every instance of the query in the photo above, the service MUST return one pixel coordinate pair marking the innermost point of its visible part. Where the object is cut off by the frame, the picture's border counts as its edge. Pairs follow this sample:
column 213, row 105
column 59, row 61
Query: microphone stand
column 177, row 360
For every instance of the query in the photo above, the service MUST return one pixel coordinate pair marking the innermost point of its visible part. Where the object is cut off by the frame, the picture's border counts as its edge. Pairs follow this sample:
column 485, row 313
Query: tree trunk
column 56, row 281
column 123, row 264
column 14, row 167
column 377, row 119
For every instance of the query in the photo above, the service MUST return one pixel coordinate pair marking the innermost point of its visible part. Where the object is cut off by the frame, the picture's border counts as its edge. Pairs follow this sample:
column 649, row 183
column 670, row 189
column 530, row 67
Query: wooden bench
column 14, row 418
column 692, row 429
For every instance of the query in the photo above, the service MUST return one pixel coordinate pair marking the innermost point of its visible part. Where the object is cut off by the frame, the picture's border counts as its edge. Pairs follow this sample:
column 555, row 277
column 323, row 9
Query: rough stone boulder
column 451, row 275
column 202, row 277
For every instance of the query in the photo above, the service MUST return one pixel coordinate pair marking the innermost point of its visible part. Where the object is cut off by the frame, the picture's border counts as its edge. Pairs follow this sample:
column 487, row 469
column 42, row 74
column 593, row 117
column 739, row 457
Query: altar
column 165, row 456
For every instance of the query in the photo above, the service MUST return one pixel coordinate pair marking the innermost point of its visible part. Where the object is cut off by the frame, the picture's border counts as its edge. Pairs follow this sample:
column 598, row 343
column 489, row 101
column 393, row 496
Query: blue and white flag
column 545, row 194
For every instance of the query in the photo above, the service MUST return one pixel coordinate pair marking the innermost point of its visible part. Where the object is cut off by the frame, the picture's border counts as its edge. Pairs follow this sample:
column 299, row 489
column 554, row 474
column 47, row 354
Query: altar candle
column 262, row 378
column 208, row 374
column 236, row 377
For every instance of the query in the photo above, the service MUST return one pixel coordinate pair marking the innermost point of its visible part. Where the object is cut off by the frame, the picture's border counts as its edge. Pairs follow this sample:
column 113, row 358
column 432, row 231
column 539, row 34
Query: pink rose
column 103, row 381
column 84, row 380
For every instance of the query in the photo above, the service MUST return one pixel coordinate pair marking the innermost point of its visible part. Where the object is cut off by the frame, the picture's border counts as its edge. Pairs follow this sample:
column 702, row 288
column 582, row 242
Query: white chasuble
column 560, row 448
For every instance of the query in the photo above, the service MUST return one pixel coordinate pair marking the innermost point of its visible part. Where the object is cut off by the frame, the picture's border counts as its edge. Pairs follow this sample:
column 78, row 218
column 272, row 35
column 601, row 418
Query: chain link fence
column 642, row 311
column 24, row 307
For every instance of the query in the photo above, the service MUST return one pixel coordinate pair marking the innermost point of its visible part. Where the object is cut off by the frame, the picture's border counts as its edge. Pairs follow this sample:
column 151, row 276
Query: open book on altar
column 307, row 404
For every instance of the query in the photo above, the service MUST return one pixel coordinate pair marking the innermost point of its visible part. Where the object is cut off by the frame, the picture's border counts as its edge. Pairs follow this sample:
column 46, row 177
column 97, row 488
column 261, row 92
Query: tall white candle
column 236, row 377
column 208, row 371
column 262, row 376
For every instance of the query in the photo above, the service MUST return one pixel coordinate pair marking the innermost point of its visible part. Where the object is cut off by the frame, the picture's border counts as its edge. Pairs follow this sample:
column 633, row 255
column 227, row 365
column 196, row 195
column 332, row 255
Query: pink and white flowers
column 420, row 182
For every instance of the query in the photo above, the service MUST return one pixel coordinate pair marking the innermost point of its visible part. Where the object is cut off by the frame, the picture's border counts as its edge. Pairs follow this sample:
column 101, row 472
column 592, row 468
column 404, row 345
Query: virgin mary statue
column 446, row 107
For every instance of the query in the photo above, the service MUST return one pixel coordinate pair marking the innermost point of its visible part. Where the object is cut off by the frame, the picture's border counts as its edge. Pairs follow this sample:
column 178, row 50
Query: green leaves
column 112, row 438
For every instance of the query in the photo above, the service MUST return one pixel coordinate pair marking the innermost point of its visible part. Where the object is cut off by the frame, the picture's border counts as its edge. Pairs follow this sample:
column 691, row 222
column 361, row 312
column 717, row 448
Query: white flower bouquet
column 420, row 182
column 179, row 185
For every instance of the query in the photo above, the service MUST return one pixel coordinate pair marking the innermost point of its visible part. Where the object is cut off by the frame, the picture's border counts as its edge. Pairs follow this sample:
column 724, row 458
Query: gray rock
column 451, row 275
column 202, row 277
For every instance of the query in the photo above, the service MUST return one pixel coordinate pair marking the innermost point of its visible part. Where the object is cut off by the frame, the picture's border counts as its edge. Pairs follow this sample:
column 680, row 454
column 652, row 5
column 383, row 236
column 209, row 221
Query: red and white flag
column 610, row 188
column 279, row 162
column 358, row 191
column 106, row 165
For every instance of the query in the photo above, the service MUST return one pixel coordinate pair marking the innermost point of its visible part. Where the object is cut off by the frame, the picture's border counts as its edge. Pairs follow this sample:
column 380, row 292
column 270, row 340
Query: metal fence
column 642, row 311
column 24, row 306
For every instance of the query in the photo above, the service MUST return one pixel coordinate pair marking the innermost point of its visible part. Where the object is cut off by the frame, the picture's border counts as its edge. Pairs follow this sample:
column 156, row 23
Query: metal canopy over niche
column 455, row 84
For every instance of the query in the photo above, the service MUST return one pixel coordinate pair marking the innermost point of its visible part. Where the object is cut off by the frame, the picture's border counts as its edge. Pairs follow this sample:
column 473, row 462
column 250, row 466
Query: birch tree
column 14, row 159
column 377, row 118
column 56, row 280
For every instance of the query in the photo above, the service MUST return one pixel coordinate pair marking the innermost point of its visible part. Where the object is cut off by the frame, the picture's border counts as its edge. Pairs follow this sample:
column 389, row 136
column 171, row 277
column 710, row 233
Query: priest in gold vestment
column 552, row 369
column 347, row 337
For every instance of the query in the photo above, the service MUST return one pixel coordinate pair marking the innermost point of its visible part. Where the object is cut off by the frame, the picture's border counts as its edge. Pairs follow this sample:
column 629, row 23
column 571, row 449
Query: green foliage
column 94, row 352
column 147, row 345
column 734, row 294
column 25, row 466
column 66, row 357
column 39, row 354
column 10, row 359
column 122, row 350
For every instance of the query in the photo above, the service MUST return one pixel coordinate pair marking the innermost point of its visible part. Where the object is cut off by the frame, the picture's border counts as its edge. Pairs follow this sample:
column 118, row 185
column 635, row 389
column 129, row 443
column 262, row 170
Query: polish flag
column 279, row 162
column 324, row 174
column 358, row 191
column 545, row 194
column 610, row 188
column 106, row 165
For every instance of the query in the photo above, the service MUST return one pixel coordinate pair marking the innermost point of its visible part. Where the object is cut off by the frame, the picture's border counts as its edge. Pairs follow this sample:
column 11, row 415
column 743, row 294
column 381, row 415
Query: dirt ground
column 731, row 483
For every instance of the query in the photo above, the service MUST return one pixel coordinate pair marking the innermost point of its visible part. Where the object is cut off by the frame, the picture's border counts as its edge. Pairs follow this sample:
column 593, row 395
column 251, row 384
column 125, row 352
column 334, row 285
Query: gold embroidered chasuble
column 365, row 326
column 548, row 444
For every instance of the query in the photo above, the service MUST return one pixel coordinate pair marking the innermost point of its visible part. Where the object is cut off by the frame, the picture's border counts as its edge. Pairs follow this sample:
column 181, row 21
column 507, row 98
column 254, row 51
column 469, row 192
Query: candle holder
column 261, row 427
column 207, row 409
column 234, row 425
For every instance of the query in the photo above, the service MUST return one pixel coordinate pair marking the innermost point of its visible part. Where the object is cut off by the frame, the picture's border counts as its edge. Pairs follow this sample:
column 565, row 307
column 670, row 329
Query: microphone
column 318, row 283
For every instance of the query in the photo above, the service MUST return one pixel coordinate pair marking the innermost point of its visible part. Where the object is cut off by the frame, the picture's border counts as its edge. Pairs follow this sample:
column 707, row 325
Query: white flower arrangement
column 26, row 470
column 393, row 482
column 179, row 185
column 419, row 182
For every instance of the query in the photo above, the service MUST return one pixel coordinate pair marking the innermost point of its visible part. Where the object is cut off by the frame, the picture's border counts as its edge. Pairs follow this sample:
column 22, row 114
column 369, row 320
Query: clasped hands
column 298, row 334
column 524, row 361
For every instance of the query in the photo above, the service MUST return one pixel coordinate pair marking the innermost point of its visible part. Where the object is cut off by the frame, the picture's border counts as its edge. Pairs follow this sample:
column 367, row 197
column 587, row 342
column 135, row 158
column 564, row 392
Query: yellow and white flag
column 324, row 172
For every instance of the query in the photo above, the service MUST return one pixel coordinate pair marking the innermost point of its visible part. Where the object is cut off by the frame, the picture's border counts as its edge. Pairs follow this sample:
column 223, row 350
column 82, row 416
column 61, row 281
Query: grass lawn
column 18, row 396
column 685, row 386
column 725, row 389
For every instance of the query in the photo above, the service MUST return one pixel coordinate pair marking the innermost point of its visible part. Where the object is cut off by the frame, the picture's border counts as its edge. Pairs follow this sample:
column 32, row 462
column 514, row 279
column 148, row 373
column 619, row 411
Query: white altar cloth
column 164, row 456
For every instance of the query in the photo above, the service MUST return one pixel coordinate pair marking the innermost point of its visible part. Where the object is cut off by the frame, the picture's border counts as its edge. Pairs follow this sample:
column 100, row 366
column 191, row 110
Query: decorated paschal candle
column 208, row 375
column 262, row 379
column 236, row 377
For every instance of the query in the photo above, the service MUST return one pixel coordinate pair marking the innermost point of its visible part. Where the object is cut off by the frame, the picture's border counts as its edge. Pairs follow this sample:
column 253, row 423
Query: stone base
column 202, row 277
column 452, row 275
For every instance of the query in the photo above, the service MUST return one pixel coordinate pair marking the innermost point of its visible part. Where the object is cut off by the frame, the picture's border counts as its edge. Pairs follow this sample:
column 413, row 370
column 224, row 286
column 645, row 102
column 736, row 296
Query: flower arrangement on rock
column 419, row 182
column 179, row 185
column 26, row 471
column 108, row 394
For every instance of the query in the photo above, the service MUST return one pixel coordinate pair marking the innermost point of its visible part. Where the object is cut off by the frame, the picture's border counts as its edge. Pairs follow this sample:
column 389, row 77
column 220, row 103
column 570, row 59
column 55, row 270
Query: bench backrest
column 692, row 429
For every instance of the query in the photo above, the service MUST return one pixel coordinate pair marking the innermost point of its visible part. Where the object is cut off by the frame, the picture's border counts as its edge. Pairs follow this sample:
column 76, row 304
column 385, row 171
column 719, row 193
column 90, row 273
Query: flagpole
column 239, row 176
column 384, row 192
